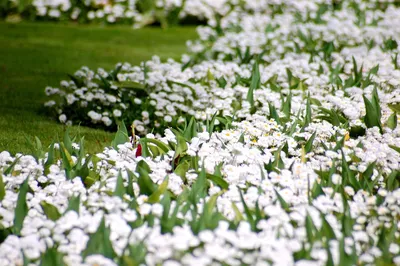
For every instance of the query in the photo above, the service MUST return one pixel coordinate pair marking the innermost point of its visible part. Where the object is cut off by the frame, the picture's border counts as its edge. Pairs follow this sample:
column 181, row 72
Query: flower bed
column 275, row 141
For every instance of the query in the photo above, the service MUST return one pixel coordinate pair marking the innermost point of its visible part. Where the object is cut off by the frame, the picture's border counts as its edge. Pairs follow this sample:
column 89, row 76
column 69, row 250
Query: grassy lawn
column 34, row 55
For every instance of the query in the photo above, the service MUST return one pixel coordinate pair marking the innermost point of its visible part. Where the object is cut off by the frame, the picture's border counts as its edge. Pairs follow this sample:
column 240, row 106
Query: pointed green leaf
column 392, row 121
column 11, row 167
column 121, row 136
column 119, row 187
column 372, row 117
column 73, row 204
column 21, row 210
column 99, row 242
column 52, row 257
column 50, row 211
column 2, row 188
column 283, row 203
column 155, row 197
column 146, row 184
column 309, row 144
column 218, row 180
column 255, row 83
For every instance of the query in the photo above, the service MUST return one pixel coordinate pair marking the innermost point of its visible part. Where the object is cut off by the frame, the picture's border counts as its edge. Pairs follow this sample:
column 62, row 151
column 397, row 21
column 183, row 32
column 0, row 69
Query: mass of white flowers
column 275, row 141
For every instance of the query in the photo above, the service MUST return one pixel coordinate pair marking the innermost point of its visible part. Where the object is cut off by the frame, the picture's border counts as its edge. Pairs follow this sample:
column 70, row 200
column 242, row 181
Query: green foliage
column 50, row 211
column 119, row 188
column 373, row 114
column 52, row 257
column 73, row 204
column 2, row 188
column 99, row 242
column 392, row 121
column 21, row 210
column 146, row 185
column 121, row 136
column 45, row 53
column 255, row 84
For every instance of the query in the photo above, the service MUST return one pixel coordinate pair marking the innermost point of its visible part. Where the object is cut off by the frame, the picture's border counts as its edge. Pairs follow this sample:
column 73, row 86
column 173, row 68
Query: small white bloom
column 62, row 118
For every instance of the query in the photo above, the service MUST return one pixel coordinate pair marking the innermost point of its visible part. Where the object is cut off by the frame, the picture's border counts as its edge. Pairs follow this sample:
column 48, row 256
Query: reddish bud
column 139, row 150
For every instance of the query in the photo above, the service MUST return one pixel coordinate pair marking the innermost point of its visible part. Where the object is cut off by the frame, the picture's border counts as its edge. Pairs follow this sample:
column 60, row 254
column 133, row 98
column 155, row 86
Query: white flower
column 167, row 118
column 94, row 116
column 117, row 113
column 349, row 191
column 394, row 248
column 91, row 15
column 62, row 118
column 336, row 179
column 145, row 209
column 157, row 209
column 106, row 120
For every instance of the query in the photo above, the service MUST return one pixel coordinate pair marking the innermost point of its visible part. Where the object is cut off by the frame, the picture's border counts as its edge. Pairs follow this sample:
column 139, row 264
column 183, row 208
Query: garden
column 199, row 132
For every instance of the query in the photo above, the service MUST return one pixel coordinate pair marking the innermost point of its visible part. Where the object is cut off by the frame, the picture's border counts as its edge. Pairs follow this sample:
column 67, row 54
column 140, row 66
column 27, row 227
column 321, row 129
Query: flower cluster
column 274, row 142
column 138, row 13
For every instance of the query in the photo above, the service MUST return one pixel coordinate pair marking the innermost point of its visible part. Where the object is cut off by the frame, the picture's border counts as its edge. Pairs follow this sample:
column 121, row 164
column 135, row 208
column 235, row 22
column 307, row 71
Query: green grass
column 34, row 55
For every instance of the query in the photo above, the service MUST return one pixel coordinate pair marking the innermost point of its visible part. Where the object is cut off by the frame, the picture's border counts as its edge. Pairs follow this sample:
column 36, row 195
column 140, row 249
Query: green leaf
column 106, row 83
column 99, row 242
column 52, row 257
column 393, row 180
column 137, row 254
column 114, row 73
column 392, row 121
column 50, row 211
column 249, row 215
column 77, row 82
column 73, row 204
column 129, row 188
column 395, row 148
column 283, row 203
column 326, row 228
column 221, row 82
column 66, row 156
column 164, row 147
column 191, row 130
column 255, row 83
column 273, row 113
column 121, row 136
column 146, row 184
column 218, row 181
column 317, row 190
column 211, row 124
column 2, row 188
column 348, row 175
column 181, row 147
column 21, row 210
column 395, row 107
column 310, row 229
column 11, row 167
column 50, row 158
column 238, row 214
column 375, row 102
column 307, row 119
column 68, row 142
column 372, row 116
column 199, row 187
column 309, row 144
column 145, row 149
column 119, row 188
column 287, row 105
column 155, row 197
column 181, row 169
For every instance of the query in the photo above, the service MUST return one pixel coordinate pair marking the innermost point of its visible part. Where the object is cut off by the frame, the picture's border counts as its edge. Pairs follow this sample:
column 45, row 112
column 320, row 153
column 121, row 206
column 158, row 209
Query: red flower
column 139, row 151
